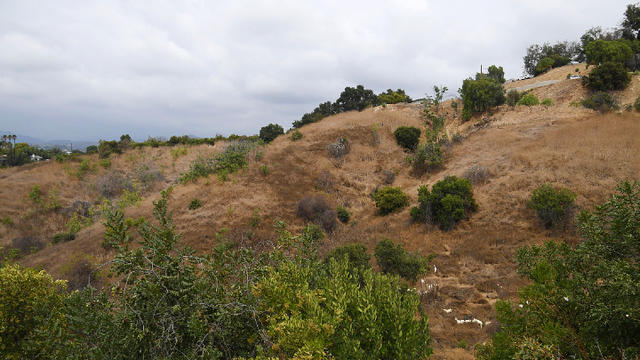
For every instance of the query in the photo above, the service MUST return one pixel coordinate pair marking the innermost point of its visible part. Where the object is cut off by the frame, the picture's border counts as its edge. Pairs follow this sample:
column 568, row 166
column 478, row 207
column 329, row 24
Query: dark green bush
column 552, row 205
column 496, row 73
column 195, row 204
column 270, row 132
column 355, row 252
column 106, row 148
column 394, row 259
column 480, row 95
column 407, row 137
column 296, row 135
column 91, row 149
column 513, row 96
column 449, row 201
column 547, row 102
column 389, row 199
column 608, row 76
column 529, row 100
column 393, row 97
column 357, row 98
column 343, row 214
column 603, row 51
column 601, row 101
column 63, row 237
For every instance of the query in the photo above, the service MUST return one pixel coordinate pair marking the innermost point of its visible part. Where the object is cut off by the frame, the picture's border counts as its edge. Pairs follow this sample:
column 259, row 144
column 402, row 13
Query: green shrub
column 270, row 132
column 552, row 205
column 264, row 169
column 343, row 214
column 407, row 137
column 636, row 104
column 355, row 252
column 296, row 135
column 547, row 102
column 7, row 221
column 427, row 156
column 63, row 237
column 544, row 65
column 601, row 101
column 91, row 149
column 394, row 259
column 608, row 76
column 393, row 97
column 513, row 96
column 233, row 158
column 528, row 100
column 449, row 201
column 480, row 95
column 195, row 204
column 389, row 199
column 105, row 163
column 106, row 148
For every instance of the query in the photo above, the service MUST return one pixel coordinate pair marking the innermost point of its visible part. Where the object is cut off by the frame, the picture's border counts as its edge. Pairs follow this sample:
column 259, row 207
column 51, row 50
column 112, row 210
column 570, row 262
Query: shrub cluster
column 63, row 237
column 553, row 206
column 601, row 101
column 232, row 159
column 449, row 201
column 27, row 244
column 270, row 132
column 528, row 100
column 480, row 95
column 195, row 203
column 426, row 157
column 355, row 252
column 407, row 137
column 396, row 260
column 389, row 199
column 477, row 174
column 296, row 135
column 316, row 210
column 343, row 214
column 608, row 76
column 513, row 96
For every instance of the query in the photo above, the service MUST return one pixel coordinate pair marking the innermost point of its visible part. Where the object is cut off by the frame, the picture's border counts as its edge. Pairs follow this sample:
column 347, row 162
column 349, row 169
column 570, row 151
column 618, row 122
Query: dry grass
column 576, row 148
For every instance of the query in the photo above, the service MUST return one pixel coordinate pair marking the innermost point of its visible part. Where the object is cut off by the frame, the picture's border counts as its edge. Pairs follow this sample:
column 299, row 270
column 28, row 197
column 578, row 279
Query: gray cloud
column 97, row 69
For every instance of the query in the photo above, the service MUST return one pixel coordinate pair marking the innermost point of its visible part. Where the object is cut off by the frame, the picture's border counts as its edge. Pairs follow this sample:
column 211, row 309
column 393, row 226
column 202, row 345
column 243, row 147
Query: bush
column 106, row 148
column 270, row 132
column 296, row 135
column 195, row 204
column 449, row 201
column 528, row 100
column 340, row 148
column 357, row 98
column 544, row 65
column 389, row 199
column 356, row 253
column 325, row 182
column 233, row 158
column 63, row 237
column 513, row 96
column 552, row 205
column 480, row 95
column 105, row 163
column 317, row 210
column 407, row 137
column 264, row 169
column 636, row 104
column 608, row 76
column 91, row 149
column 393, row 97
column 113, row 184
column 547, row 102
column 427, row 156
column 343, row 214
column 394, row 259
column 601, row 101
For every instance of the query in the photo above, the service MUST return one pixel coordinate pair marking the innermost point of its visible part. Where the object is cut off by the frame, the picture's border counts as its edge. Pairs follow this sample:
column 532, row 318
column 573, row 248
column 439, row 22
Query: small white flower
column 566, row 298
column 521, row 306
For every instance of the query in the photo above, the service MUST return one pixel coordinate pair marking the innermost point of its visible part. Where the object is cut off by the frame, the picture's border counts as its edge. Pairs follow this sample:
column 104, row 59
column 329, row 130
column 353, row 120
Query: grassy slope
column 522, row 147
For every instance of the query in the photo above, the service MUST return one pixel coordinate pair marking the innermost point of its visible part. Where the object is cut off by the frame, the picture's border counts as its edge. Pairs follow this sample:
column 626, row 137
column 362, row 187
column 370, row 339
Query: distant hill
column 59, row 143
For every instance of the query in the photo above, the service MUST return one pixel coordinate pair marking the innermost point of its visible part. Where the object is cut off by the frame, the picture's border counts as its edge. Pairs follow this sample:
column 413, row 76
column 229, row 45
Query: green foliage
column 195, row 204
column 357, row 98
column 7, row 221
column 91, row 149
column 603, row 51
column 560, row 53
column 427, row 156
column 106, row 148
column 496, row 73
column 32, row 319
column 394, row 259
column 389, row 199
column 636, row 104
column 407, row 137
column 264, row 169
column 63, row 237
column 355, row 253
column 233, row 158
column 601, row 101
column 393, row 97
column 296, row 135
column 631, row 22
column 513, row 96
column 129, row 198
column 321, row 111
column 583, row 301
column 178, row 151
column 545, row 64
column 105, row 163
column 547, row 102
column 552, row 205
column 449, row 201
column 528, row 100
column 343, row 214
column 480, row 95
column 608, row 76
column 270, row 132
column 77, row 223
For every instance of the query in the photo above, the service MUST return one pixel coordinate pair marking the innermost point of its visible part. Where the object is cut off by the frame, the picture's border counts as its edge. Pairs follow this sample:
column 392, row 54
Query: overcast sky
column 88, row 69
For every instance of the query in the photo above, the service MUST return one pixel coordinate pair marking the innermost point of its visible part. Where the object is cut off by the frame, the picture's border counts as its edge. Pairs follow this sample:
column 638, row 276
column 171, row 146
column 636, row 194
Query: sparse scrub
column 477, row 174
column 528, row 100
column 355, row 252
column 325, row 182
column 601, row 101
column 427, row 157
column 195, row 204
column 449, row 201
column 407, row 137
column 129, row 198
column 146, row 175
column 388, row 177
column 63, row 237
column 27, row 244
column 178, row 151
column 105, row 163
column 343, row 214
column 7, row 221
column 340, row 148
column 553, row 205
column 232, row 159
column 296, row 135
column 389, row 199
column 396, row 260
column 112, row 184
column 547, row 102
column 317, row 210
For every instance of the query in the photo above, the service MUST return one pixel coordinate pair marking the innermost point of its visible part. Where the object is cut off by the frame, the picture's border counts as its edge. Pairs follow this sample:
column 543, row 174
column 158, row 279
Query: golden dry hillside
column 522, row 147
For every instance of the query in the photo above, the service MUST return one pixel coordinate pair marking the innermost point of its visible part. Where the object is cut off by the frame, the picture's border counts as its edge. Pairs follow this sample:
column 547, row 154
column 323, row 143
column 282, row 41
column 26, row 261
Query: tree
column 583, row 301
column 561, row 53
column 601, row 51
column 270, row 132
column 631, row 22
column 480, row 95
column 393, row 97
column 357, row 98
column 496, row 73
column 608, row 76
